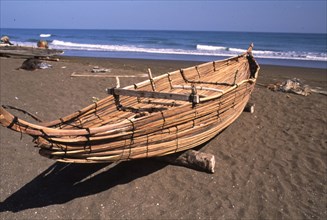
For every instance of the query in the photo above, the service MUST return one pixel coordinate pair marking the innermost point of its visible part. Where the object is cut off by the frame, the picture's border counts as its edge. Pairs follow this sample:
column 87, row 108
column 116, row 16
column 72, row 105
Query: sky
column 253, row 16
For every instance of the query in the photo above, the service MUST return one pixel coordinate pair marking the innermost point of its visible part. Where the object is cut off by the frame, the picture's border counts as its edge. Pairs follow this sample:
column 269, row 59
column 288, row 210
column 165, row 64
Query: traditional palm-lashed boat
column 169, row 113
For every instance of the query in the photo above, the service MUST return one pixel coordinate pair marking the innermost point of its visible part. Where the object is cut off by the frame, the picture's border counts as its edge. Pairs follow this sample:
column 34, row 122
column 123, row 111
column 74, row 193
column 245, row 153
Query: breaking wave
column 293, row 55
column 200, row 50
column 45, row 35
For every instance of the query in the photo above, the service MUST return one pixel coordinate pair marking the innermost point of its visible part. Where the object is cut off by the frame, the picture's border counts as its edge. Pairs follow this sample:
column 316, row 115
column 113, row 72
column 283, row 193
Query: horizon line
column 114, row 29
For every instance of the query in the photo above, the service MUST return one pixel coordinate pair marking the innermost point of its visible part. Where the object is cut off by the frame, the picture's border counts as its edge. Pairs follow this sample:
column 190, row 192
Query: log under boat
column 173, row 112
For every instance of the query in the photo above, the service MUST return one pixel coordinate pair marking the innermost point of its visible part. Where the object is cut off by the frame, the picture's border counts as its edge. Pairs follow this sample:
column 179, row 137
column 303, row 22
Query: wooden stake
column 151, row 80
column 117, row 82
column 249, row 107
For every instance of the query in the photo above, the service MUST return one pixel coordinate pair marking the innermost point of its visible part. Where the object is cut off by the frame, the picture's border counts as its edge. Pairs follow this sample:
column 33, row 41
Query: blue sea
column 286, row 49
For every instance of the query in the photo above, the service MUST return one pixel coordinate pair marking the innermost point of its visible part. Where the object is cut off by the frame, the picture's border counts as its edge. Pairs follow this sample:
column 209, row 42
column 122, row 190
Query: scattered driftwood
column 100, row 70
column 249, row 107
column 292, row 86
column 191, row 159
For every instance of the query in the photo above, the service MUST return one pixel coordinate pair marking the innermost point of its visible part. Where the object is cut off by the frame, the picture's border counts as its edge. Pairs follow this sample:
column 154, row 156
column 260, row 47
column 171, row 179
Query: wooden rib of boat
column 24, row 51
column 173, row 112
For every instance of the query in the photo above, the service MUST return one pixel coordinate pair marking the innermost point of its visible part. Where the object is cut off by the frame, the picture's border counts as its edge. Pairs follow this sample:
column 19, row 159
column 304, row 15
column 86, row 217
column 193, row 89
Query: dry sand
column 270, row 164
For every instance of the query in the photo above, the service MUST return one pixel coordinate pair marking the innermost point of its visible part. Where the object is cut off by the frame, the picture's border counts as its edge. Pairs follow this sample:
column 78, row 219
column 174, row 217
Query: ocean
column 286, row 49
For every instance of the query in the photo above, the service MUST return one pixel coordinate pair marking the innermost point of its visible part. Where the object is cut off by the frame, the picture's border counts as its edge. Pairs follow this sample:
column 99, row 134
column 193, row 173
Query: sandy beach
column 269, row 165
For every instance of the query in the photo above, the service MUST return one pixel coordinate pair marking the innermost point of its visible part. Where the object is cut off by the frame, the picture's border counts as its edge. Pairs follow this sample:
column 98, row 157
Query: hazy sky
column 259, row 16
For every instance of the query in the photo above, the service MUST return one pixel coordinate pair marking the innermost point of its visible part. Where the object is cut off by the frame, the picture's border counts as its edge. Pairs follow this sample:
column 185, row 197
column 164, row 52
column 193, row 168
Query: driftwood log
column 191, row 159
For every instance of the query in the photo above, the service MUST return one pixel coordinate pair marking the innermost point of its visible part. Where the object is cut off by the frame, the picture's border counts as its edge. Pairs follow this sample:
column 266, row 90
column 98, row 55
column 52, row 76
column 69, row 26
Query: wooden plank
column 155, row 95
column 74, row 74
column 151, row 80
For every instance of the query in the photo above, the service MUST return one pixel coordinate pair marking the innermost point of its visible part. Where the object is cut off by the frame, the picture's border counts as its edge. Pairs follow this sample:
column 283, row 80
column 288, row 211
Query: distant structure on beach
column 5, row 40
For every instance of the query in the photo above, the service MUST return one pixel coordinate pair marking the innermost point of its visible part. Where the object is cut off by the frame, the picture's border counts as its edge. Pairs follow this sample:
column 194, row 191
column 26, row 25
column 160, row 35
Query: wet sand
column 270, row 165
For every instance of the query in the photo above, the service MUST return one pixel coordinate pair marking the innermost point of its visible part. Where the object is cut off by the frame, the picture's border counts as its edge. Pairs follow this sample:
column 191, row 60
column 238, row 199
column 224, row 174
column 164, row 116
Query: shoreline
column 302, row 50
column 270, row 164
column 164, row 66
column 266, row 61
column 191, row 62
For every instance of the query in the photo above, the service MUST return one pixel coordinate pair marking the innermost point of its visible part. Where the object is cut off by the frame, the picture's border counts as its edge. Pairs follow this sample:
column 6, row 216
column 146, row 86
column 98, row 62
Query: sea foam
column 199, row 49
column 45, row 35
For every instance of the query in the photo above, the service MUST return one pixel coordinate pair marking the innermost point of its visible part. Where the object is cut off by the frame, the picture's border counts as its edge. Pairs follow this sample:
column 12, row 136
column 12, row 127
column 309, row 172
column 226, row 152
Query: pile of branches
column 291, row 85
